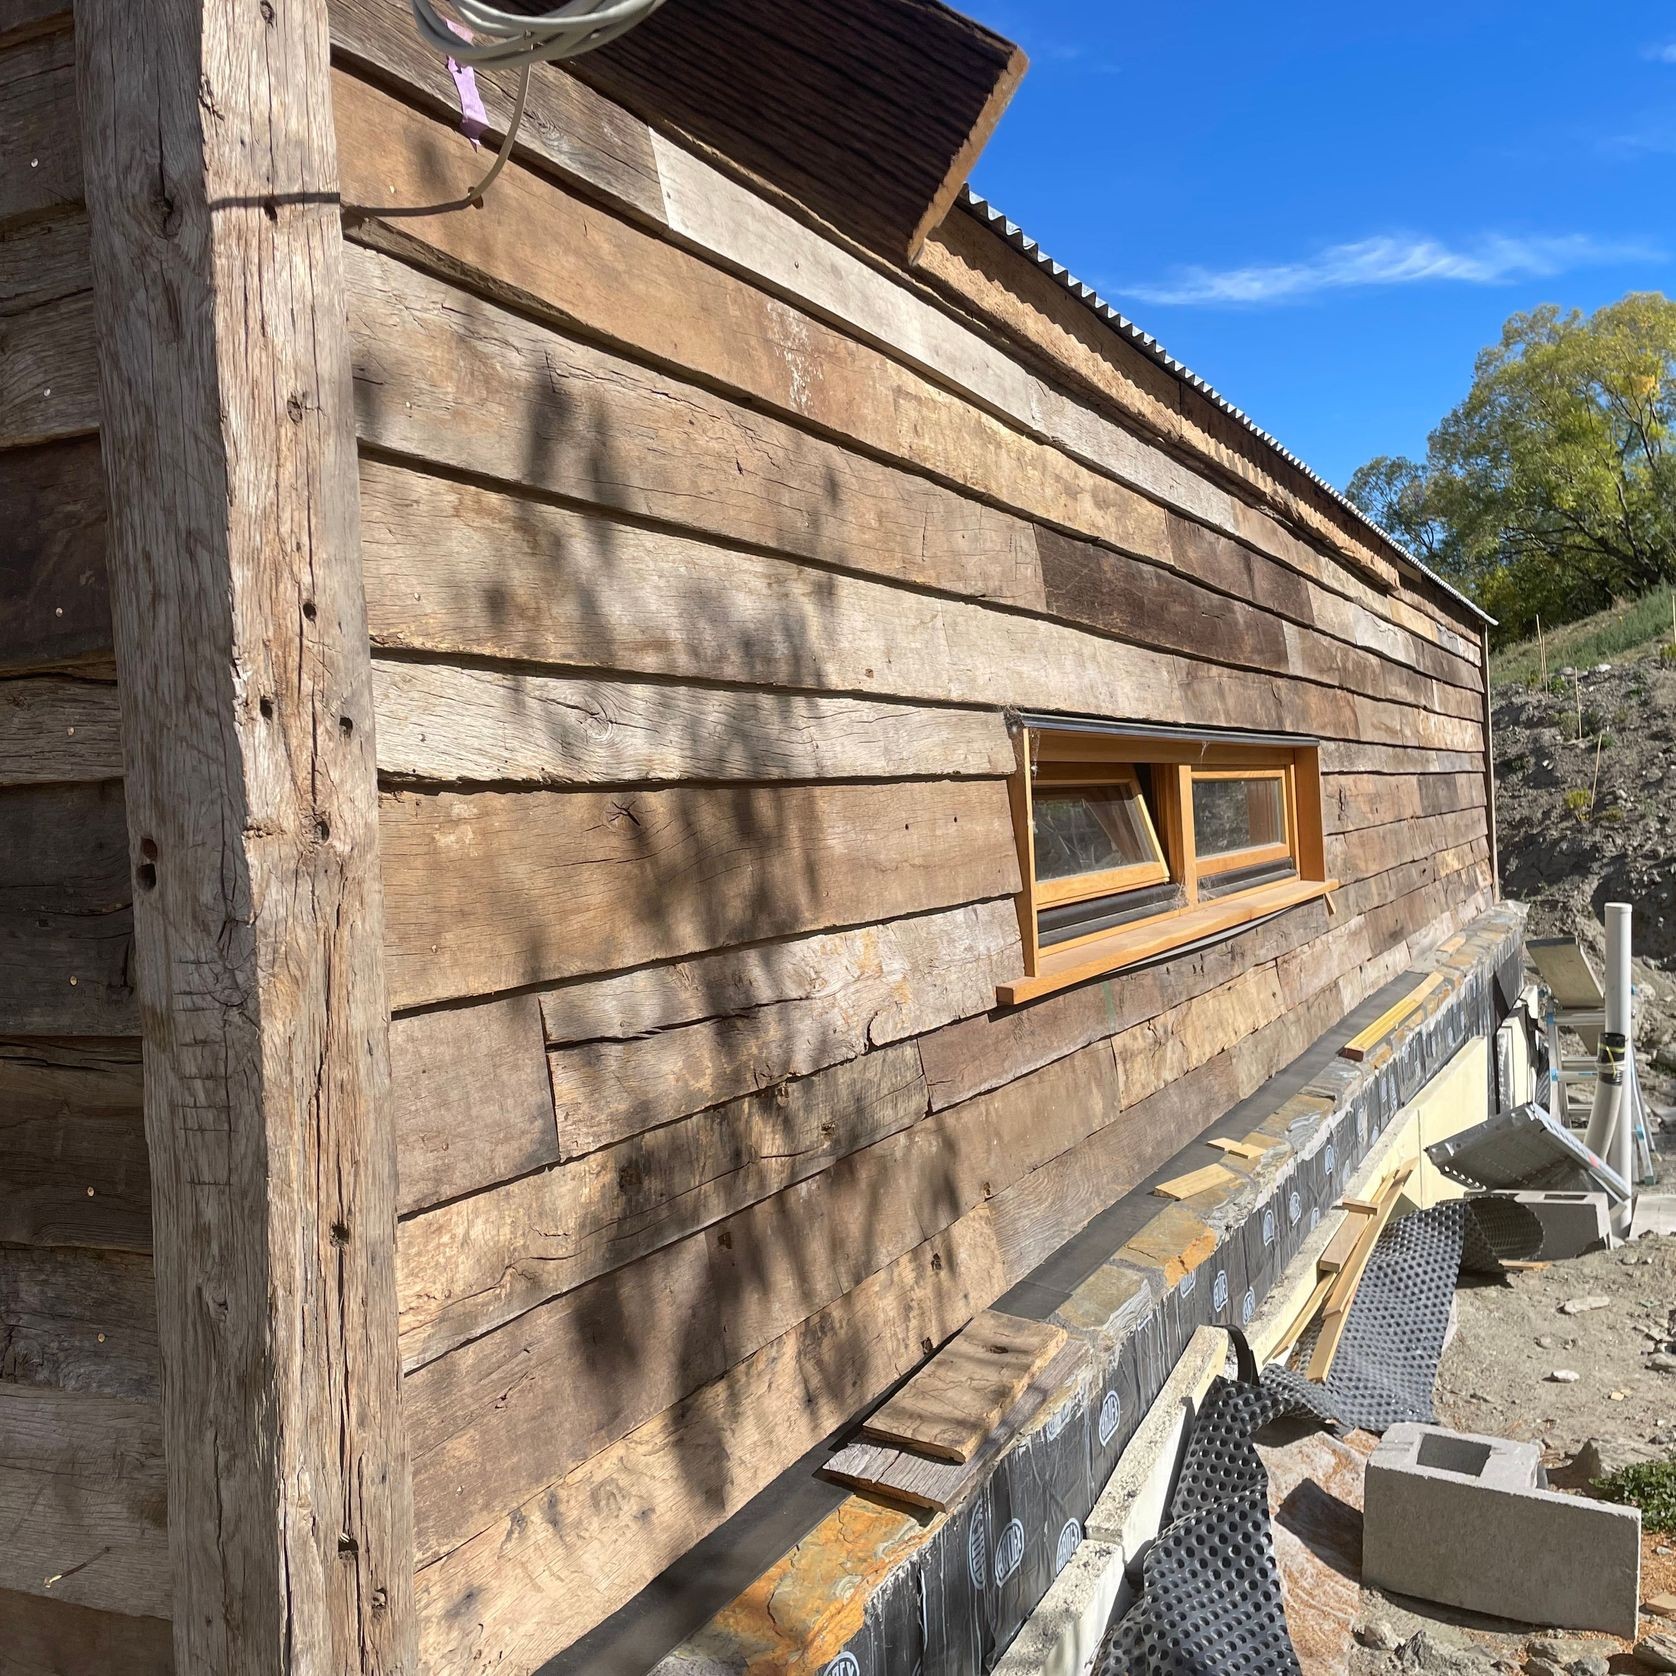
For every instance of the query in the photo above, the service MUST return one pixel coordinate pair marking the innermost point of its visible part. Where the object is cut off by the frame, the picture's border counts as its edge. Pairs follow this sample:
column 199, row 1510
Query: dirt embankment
column 1586, row 811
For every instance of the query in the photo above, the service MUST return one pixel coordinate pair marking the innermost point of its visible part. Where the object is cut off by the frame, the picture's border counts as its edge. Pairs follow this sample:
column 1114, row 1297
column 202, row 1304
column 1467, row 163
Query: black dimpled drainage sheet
column 1210, row 1602
column 1210, row 1597
column 1385, row 1369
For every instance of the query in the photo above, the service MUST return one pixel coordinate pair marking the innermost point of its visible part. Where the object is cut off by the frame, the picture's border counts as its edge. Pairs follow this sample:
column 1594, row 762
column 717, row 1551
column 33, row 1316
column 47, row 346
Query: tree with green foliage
column 1551, row 490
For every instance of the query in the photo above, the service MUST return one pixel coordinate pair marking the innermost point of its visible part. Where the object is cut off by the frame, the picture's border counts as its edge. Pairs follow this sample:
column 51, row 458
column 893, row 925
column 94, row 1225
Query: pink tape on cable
column 473, row 118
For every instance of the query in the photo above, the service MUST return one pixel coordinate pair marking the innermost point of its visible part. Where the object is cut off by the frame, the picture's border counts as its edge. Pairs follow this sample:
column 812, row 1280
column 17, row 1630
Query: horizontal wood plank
column 475, row 1263
column 1087, row 584
column 79, row 1321
column 54, row 600
column 653, row 1044
column 529, row 1585
column 51, row 391
column 38, row 129
column 737, row 228
column 443, row 722
column 950, row 1407
column 970, row 260
column 1353, row 801
column 457, row 569
column 1377, row 849
column 82, row 1500
column 46, row 261
column 73, row 1164
column 65, row 925
column 978, row 1054
column 1386, row 761
column 608, row 1527
column 572, row 419
column 46, row 1637
column 745, row 476
column 758, row 346
column 58, row 728
column 472, row 1099
column 494, row 890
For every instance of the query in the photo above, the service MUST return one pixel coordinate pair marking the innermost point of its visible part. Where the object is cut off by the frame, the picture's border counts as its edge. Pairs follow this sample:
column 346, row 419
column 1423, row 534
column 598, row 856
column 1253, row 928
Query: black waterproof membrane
column 1210, row 1591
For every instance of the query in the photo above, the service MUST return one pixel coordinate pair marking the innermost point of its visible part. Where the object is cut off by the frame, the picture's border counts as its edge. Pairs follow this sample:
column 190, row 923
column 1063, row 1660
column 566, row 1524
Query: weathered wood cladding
column 85, row 1576
column 703, row 555
column 691, row 655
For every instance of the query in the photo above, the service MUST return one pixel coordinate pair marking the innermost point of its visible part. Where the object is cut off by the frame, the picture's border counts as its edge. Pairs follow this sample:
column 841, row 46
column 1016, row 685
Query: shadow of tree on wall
column 574, row 501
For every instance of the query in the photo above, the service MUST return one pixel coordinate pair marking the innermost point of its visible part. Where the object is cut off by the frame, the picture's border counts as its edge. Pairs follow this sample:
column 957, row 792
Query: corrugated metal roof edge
column 1149, row 346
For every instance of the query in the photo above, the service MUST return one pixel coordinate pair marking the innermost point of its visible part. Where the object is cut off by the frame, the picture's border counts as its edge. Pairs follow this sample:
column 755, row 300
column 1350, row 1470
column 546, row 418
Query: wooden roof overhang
column 870, row 113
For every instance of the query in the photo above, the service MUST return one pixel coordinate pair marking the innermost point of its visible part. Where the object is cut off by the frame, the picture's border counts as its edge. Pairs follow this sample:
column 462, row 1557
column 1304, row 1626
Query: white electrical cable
column 495, row 36
column 486, row 35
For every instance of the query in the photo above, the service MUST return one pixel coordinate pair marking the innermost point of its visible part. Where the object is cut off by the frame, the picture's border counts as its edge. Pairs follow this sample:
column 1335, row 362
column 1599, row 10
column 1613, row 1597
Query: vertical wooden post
column 228, row 442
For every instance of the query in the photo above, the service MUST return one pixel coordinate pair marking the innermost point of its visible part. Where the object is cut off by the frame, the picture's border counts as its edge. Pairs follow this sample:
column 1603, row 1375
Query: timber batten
column 517, row 1013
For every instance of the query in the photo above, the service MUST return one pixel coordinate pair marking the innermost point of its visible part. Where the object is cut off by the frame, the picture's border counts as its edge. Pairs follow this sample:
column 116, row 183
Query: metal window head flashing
column 1043, row 721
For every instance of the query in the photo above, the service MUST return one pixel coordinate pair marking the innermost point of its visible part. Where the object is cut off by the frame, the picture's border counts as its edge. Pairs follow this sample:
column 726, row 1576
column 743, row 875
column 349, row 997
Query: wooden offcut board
column 1365, row 1041
column 1567, row 972
column 909, row 1476
column 956, row 1400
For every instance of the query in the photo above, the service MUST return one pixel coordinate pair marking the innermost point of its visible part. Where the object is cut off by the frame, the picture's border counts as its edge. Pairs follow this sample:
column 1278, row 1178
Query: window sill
column 1131, row 944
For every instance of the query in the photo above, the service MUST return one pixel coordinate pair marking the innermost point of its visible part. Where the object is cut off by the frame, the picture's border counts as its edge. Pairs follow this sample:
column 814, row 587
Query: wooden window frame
column 1083, row 887
column 1252, row 855
column 1047, row 757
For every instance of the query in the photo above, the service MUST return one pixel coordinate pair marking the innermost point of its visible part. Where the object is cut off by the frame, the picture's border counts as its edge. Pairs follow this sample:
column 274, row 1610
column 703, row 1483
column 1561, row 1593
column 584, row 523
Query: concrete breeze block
column 1572, row 1223
column 1468, row 1521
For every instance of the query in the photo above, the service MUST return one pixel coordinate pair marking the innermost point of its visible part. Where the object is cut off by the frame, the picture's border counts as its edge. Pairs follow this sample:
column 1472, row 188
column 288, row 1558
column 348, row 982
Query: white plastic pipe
column 1612, row 1121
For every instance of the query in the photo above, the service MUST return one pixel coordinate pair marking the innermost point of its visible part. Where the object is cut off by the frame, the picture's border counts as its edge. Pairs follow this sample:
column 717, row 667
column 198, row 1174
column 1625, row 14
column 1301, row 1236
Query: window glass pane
column 1090, row 829
column 1237, row 814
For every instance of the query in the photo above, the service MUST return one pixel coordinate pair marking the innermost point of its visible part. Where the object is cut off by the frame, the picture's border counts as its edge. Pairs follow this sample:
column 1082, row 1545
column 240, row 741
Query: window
column 1131, row 846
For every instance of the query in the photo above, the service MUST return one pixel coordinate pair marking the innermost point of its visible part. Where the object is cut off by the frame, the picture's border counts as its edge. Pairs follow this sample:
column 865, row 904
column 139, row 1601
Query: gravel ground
column 1583, row 822
column 1495, row 1379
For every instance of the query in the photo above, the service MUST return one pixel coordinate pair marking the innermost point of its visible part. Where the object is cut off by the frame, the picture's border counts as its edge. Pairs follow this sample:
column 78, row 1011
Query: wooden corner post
column 229, row 449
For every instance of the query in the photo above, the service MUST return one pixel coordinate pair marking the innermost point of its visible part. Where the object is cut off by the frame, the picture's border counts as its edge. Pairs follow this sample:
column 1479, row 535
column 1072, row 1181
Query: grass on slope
column 1637, row 628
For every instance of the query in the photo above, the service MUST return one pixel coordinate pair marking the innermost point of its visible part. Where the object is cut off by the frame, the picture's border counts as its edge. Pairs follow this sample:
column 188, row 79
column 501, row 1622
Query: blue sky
column 1327, row 209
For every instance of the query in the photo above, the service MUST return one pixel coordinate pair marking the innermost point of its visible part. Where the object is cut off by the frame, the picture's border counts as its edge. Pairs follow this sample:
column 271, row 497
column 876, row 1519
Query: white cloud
column 1388, row 259
column 1665, row 54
